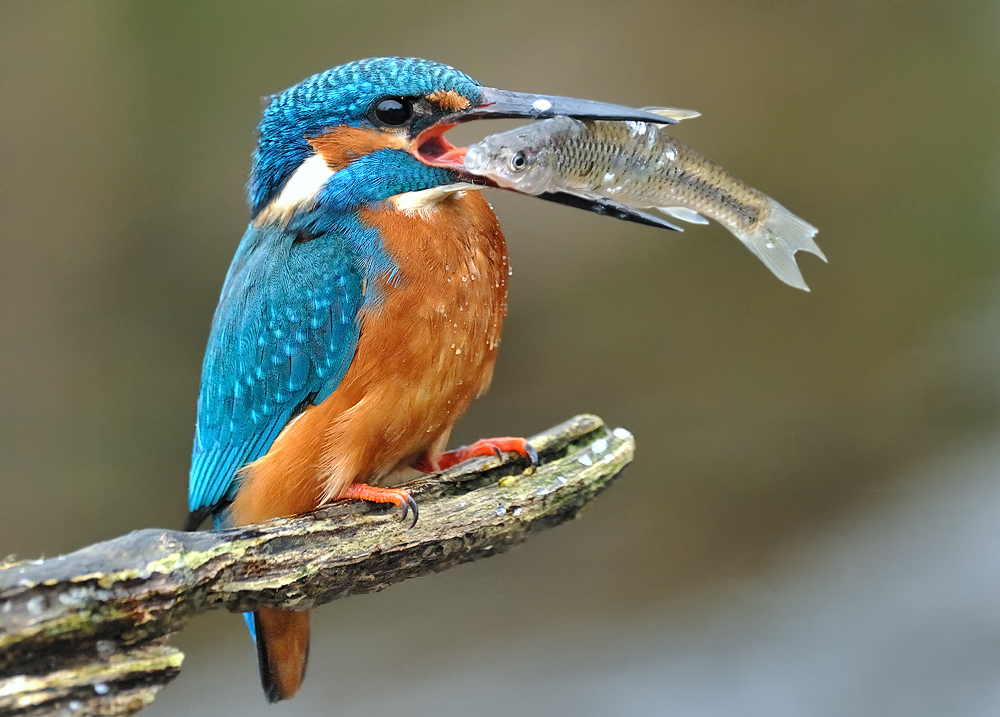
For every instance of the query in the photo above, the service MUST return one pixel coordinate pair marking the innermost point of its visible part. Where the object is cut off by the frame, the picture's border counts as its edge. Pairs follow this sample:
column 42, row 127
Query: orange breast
column 425, row 351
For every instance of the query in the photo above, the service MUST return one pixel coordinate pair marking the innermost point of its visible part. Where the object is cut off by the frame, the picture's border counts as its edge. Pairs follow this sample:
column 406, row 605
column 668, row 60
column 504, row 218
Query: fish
column 638, row 165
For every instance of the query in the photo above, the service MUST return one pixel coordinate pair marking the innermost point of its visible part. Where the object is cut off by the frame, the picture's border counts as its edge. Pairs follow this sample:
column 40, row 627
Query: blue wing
column 283, row 336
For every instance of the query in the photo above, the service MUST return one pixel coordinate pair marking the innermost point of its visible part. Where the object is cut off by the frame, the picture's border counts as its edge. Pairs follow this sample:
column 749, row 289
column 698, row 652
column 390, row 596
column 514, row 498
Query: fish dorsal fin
column 684, row 214
column 673, row 113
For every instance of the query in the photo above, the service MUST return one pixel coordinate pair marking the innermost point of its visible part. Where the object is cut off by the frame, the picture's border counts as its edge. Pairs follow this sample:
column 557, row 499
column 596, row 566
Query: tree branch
column 84, row 633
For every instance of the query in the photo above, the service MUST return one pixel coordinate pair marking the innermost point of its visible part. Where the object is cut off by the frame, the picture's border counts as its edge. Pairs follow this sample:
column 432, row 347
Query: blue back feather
column 283, row 337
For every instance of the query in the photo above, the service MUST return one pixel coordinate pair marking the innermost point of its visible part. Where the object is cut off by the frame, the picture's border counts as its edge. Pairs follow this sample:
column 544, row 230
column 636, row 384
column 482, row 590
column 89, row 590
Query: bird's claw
column 374, row 494
column 485, row 447
column 532, row 456
column 407, row 505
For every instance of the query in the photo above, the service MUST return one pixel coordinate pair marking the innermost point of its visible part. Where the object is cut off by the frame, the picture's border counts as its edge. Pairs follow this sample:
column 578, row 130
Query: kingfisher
column 362, row 311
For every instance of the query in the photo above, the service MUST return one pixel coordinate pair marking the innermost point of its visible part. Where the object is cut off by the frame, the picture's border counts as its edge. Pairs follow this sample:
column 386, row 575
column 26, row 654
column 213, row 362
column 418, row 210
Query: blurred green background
column 812, row 522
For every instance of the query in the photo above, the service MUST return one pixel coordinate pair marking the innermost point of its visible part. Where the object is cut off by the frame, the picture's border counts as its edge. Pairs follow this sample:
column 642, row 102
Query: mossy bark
column 83, row 633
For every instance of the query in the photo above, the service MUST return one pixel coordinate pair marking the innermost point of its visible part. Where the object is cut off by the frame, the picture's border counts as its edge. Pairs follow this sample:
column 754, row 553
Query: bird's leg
column 397, row 496
column 483, row 447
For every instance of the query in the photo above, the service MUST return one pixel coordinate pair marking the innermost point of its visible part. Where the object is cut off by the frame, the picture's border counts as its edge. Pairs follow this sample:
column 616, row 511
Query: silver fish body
column 639, row 165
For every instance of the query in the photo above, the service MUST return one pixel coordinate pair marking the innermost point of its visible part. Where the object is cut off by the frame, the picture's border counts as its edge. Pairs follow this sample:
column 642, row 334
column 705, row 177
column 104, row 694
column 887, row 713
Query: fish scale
column 638, row 165
column 696, row 181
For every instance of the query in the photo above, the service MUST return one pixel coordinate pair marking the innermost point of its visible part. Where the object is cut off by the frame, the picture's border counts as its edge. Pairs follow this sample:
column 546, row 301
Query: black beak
column 609, row 208
column 503, row 104
column 433, row 149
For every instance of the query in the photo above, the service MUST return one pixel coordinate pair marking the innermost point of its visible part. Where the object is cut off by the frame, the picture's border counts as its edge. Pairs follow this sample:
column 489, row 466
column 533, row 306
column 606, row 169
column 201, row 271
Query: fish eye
column 518, row 161
column 393, row 111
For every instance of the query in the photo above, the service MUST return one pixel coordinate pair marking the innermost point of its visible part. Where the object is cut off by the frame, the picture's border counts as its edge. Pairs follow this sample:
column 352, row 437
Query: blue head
column 383, row 120
column 393, row 98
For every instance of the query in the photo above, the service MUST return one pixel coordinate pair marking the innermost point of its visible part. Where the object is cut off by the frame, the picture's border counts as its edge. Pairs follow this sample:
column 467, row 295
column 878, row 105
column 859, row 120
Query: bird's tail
column 282, row 638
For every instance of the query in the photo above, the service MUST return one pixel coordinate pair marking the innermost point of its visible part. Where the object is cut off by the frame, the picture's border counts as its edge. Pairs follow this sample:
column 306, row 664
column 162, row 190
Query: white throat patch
column 301, row 188
column 427, row 199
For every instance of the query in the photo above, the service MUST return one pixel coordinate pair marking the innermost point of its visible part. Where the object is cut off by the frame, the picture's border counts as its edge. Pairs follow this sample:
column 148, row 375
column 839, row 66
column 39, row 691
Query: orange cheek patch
column 342, row 145
column 448, row 100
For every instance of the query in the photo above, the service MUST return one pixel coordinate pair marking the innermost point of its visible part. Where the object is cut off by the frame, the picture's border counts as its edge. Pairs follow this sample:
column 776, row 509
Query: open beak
column 431, row 147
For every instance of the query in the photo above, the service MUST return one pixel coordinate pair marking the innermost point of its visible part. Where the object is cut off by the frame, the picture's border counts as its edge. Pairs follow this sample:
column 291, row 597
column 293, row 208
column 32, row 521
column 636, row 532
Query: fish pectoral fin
column 672, row 113
column 684, row 214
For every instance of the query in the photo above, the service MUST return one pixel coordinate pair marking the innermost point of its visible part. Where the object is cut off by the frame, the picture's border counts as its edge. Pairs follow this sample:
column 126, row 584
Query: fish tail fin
column 282, row 638
column 776, row 240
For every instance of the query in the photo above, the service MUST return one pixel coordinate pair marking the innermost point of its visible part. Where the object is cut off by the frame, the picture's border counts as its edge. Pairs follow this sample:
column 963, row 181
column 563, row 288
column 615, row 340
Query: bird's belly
column 414, row 392
column 427, row 347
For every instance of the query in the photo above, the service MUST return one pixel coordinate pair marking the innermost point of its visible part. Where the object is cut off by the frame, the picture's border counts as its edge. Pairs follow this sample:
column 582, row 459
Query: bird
column 362, row 311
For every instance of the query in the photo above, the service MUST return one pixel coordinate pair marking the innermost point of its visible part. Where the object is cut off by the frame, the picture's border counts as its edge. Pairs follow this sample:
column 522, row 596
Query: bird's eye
column 394, row 111
column 518, row 161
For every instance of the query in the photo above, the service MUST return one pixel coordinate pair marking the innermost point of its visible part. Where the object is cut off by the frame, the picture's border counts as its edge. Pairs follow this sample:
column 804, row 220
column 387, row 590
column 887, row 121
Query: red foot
column 397, row 496
column 483, row 447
